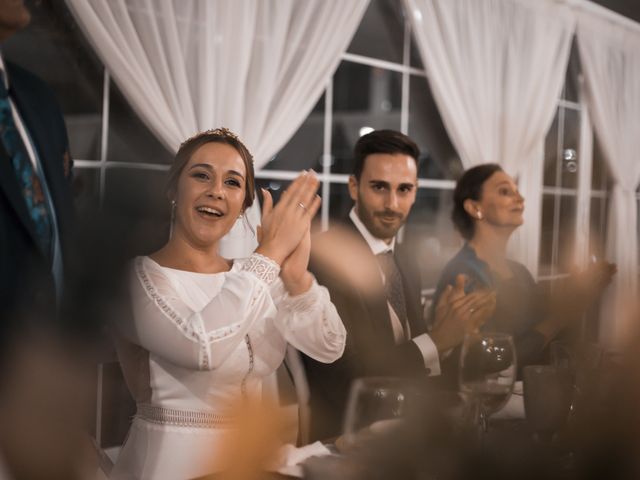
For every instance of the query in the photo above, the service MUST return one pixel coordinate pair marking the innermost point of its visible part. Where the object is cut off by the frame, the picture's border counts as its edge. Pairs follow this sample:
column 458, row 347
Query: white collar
column 377, row 245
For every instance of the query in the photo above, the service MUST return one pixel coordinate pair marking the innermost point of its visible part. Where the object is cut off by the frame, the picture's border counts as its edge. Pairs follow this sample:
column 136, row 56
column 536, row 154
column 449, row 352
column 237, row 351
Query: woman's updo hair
column 218, row 135
column 469, row 186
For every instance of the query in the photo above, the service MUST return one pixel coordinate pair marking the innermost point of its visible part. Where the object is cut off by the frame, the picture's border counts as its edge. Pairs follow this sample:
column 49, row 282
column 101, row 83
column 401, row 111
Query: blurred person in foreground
column 206, row 330
column 45, row 378
column 375, row 285
column 36, row 204
column 487, row 209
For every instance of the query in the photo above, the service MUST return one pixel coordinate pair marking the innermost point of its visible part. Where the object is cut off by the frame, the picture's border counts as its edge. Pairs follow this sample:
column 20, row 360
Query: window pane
column 275, row 187
column 381, row 32
column 340, row 202
column 304, row 149
column 571, row 88
column 562, row 259
column 364, row 89
column 570, row 156
column 415, row 59
column 86, row 190
column 129, row 138
column 363, row 97
column 600, row 179
column 567, row 160
column 438, row 156
column 546, row 235
column 53, row 48
column 551, row 153
column 567, row 234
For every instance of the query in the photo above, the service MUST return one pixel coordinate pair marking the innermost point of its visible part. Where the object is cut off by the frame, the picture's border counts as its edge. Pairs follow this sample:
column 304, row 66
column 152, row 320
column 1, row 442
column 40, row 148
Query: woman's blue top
column 520, row 304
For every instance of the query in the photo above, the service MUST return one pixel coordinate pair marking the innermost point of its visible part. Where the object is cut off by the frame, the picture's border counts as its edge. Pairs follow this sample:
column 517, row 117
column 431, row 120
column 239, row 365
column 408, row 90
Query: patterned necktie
column 25, row 172
column 393, row 288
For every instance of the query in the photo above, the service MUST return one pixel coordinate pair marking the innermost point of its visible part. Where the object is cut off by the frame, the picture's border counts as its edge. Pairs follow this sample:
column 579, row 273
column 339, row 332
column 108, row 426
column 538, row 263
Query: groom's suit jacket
column 26, row 281
column 370, row 349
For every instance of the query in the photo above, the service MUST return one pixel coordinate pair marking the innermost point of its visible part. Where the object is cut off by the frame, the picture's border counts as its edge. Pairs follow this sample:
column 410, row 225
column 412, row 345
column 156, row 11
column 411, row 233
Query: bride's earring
column 479, row 215
column 173, row 218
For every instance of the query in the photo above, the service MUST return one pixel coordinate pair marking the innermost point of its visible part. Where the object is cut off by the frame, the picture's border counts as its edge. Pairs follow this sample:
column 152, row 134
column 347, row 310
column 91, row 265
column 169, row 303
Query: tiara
column 222, row 132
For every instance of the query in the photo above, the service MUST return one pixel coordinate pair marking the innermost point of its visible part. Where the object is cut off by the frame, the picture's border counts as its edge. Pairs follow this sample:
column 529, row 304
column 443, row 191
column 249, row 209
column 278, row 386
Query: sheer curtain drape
column 610, row 58
column 496, row 69
column 255, row 66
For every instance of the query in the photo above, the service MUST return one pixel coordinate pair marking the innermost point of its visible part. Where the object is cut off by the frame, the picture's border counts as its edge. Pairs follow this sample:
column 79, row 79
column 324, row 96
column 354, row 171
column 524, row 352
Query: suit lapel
column 43, row 143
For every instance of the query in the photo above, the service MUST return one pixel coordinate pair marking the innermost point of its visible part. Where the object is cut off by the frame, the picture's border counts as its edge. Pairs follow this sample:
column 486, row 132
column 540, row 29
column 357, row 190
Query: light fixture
column 365, row 130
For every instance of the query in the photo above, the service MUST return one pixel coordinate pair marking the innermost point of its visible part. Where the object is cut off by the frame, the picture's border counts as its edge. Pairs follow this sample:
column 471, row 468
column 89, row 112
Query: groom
column 375, row 284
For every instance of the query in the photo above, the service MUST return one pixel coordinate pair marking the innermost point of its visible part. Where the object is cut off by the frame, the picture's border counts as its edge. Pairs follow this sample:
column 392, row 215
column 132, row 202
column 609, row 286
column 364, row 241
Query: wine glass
column 487, row 372
column 376, row 405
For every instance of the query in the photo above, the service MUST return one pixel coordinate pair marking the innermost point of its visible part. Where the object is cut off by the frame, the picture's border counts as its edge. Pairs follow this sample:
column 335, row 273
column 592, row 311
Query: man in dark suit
column 35, row 187
column 45, row 373
column 378, row 293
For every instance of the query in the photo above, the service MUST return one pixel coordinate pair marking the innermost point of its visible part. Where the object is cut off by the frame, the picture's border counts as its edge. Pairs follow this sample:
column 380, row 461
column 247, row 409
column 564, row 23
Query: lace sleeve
column 167, row 327
column 310, row 322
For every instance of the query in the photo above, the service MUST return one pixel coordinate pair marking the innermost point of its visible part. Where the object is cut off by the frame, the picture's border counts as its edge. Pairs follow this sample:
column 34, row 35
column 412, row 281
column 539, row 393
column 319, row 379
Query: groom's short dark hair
column 382, row 141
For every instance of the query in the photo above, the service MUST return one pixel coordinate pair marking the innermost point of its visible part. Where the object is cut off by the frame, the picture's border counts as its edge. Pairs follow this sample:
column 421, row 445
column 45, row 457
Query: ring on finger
column 302, row 205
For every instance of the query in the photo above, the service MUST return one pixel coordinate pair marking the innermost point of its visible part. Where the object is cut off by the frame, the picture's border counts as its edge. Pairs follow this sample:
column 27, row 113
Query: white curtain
column 610, row 58
column 496, row 69
column 255, row 66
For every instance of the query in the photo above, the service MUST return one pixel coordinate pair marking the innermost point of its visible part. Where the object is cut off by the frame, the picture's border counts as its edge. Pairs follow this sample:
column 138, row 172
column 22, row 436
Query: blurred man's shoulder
column 28, row 82
column 342, row 257
column 342, row 235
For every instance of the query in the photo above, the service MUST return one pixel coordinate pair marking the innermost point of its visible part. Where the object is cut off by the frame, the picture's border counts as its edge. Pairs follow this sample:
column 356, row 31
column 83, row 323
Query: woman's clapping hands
column 285, row 232
column 458, row 313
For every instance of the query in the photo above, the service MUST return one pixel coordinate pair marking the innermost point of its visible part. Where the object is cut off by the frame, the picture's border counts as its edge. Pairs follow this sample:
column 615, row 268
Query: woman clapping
column 206, row 330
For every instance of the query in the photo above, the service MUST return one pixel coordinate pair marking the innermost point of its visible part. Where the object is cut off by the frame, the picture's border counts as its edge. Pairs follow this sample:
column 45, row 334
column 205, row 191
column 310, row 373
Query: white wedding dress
column 199, row 342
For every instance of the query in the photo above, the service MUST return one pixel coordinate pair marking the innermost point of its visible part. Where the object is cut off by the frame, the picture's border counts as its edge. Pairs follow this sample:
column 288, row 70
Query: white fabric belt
column 182, row 418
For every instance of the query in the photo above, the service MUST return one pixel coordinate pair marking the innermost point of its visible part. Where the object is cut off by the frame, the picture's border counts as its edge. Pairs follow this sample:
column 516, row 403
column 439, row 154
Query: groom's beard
column 383, row 224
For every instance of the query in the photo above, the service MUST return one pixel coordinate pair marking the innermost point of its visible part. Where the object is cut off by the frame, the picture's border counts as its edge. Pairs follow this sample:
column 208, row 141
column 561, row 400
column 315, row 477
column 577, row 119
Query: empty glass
column 375, row 405
column 487, row 372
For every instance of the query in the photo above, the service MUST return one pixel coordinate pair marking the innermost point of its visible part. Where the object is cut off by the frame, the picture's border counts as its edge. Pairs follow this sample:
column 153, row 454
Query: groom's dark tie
column 27, row 178
column 393, row 288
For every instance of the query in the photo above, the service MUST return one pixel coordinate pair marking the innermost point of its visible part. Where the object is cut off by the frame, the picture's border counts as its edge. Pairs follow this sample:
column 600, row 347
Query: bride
column 205, row 330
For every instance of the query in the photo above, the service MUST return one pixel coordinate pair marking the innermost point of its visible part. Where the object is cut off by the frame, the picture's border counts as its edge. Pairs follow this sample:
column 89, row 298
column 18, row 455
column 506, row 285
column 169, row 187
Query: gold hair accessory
column 221, row 132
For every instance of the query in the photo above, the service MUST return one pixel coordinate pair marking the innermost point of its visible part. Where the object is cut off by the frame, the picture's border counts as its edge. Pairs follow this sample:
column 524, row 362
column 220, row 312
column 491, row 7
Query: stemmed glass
column 487, row 372
column 375, row 405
